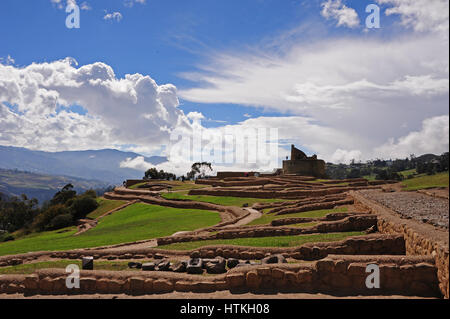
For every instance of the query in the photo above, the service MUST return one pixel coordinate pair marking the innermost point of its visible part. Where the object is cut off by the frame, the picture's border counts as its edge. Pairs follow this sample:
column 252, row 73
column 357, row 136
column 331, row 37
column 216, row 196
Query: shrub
column 6, row 237
column 43, row 221
column 90, row 193
column 61, row 221
column 82, row 206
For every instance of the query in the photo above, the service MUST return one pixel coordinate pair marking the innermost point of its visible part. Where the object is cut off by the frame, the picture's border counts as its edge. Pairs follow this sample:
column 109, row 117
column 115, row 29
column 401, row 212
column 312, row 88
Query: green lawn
column 136, row 222
column 281, row 241
column 221, row 200
column 105, row 205
column 267, row 218
column 426, row 181
column 408, row 172
column 303, row 225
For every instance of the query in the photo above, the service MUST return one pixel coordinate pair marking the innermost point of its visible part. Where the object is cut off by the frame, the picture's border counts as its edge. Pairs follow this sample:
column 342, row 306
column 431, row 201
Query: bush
column 61, row 221
column 90, row 193
column 43, row 221
column 82, row 206
column 6, row 237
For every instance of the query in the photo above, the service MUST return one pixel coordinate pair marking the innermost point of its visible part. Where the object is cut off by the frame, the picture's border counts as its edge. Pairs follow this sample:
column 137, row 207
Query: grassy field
column 267, row 218
column 408, row 172
column 105, row 205
column 426, row 181
column 221, row 200
column 135, row 222
column 281, row 241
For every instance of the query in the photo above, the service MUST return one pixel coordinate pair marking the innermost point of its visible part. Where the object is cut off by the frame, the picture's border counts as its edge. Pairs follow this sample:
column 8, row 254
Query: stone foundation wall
column 234, row 174
column 287, row 194
column 416, row 243
column 307, row 167
column 131, row 182
column 374, row 244
column 351, row 223
column 338, row 275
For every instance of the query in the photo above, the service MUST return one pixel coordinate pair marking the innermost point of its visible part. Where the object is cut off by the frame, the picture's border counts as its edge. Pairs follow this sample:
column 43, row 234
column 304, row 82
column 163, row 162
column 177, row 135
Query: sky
column 141, row 75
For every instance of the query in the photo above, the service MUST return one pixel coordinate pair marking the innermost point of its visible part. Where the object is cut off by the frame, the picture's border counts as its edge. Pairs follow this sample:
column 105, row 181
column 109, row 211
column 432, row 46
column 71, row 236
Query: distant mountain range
column 99, row 165
column 40, row 186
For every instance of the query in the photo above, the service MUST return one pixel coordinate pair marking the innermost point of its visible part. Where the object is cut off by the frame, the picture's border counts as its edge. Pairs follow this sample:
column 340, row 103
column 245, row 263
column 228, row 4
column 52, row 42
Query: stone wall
column 350, row 223
column 131, row 182
column 374, row 244
column 234, row 174
column 337, row 275
column 287, row 194
column 417, row 242
column 306, row 167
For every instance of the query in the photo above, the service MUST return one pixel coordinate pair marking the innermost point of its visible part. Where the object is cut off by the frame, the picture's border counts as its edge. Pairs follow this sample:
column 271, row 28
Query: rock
column 31, row 282
column 371, row 230
column 134, row 265
column 159, row 256
column 245, row 205
column 179, row 267
column 163, row 265
column 266, row 271
column 194, row 266
column 235, row 280
column 195, row 254
column 253, row 280
column 148, row 266
column 274, row 259
column 232, row 262
column 163, row 286
column 216, row 266
column 115, row 286
column 102, row 286
column 136, row 285
column 87, row 263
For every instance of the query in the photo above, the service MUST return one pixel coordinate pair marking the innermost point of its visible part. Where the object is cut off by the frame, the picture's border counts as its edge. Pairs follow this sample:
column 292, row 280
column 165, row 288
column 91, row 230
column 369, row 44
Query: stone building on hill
column 301, row 164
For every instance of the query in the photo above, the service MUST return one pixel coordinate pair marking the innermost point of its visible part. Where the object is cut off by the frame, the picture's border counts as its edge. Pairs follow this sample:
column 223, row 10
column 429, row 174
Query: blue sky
column 160, row 38
column 314, row 65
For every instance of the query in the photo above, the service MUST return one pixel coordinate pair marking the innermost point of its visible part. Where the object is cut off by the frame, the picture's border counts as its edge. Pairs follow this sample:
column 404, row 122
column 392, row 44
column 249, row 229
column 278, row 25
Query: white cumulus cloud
column 421, row 15
column 345, row 16
column 432, row 138
column 36, row 100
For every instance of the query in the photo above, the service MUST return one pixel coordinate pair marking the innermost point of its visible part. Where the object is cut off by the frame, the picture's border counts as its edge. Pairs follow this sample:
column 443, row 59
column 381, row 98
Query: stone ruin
column 301, row 164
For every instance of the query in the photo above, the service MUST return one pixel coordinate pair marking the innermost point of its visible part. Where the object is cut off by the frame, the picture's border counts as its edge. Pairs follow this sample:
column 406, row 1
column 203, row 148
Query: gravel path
column 412, row 205
column 254, row 214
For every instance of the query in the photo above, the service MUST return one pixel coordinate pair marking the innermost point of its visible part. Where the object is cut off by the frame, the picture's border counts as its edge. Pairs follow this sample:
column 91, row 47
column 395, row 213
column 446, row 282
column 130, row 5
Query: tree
column 199, row 169
column 153, row 173
column 16, row 213
column 61, row 221
column 44, row 220
column 82, row 205
column 65, row 194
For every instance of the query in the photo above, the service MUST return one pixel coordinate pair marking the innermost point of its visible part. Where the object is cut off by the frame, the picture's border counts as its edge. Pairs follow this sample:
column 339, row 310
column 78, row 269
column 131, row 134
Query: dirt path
column 213, row 295
column 254, row 214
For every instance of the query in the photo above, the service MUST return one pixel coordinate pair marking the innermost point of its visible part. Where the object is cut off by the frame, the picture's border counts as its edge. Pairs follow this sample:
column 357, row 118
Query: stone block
column 235, row 280
column 163, row 286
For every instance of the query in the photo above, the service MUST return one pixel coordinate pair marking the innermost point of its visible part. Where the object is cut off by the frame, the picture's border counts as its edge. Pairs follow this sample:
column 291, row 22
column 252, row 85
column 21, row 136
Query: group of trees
column 63, row 210
column 198, row 170
column 153, row 173
column 384, row 169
